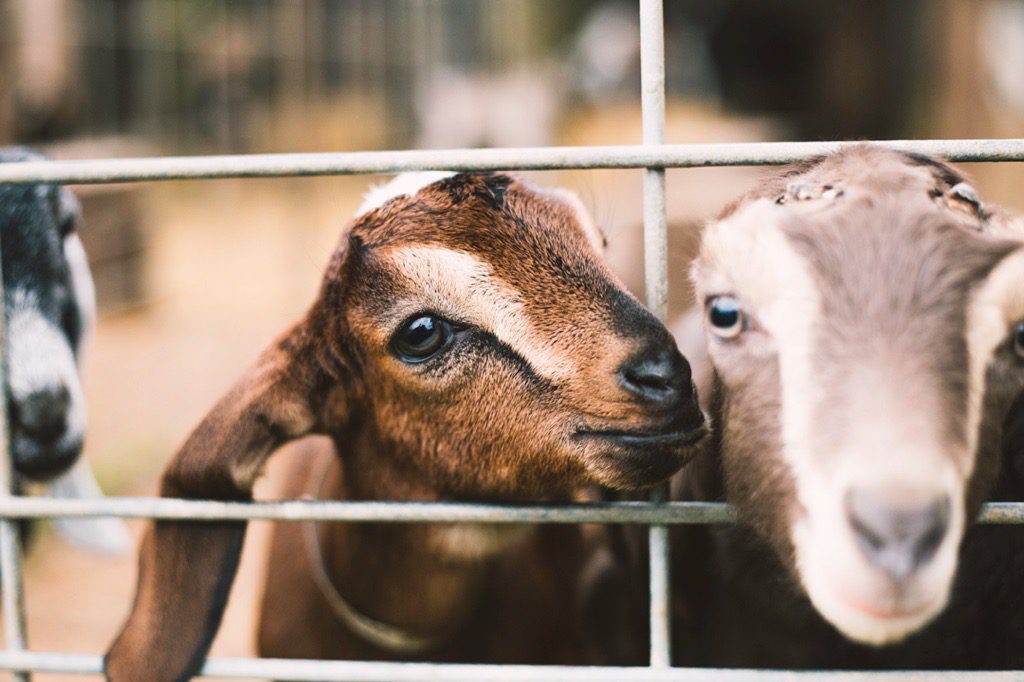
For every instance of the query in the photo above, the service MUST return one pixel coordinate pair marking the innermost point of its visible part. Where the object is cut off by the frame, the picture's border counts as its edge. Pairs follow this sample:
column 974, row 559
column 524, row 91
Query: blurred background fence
column 241, row 75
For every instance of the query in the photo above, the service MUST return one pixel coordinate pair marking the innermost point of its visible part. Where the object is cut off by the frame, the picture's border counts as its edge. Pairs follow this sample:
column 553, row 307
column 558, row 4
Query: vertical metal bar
column 10, row 546
column 652, row 102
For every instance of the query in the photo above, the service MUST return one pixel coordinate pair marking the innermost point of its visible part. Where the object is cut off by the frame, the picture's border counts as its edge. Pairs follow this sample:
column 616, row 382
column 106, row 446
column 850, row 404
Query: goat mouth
column 891, row 609
column 628, row 459
column 885, row 612
column 683, row 436
column 679, row 431
column 881, row 624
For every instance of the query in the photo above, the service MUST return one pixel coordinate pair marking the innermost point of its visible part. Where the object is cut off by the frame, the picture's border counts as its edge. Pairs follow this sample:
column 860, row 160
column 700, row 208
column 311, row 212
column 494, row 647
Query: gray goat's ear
column 68, row 211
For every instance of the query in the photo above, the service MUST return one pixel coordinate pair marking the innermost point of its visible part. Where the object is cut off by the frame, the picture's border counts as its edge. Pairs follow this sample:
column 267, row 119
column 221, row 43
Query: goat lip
column 893, row 610
column 676, row 436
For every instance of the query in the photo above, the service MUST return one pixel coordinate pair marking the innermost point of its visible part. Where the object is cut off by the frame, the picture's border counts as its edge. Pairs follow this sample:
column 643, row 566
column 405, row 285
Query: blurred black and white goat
column 49, row 314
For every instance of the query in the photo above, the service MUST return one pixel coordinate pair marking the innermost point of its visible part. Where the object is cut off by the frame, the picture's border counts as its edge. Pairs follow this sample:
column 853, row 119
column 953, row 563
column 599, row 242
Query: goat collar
column 388, row 637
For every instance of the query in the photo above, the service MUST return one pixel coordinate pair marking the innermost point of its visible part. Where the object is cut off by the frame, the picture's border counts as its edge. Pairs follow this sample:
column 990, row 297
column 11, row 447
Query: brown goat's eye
column 1018, row 340
column 725, row 318
column 421, row 338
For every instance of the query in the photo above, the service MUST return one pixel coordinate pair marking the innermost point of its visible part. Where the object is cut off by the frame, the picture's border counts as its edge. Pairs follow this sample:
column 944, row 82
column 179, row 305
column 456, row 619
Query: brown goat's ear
column 186, row 568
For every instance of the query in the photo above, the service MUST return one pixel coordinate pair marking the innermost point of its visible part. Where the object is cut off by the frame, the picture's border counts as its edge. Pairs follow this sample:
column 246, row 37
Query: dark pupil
column 724, row 314
column 422, row 334
column 1018, row 337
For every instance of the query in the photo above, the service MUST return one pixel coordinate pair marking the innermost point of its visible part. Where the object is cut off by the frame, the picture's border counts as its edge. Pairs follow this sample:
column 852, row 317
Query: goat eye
column 1018, row 340
column 421, row 338
column 725, row 317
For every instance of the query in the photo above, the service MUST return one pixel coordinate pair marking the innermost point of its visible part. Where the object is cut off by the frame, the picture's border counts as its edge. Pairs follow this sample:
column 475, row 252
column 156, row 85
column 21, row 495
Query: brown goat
column 468, row 343
column 864, row 320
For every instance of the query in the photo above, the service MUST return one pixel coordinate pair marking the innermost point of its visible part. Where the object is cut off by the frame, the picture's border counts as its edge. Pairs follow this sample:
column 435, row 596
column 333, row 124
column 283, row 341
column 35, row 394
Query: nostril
column 896, row 539
column 43, row 413
column 658, row 376
column 647, row 374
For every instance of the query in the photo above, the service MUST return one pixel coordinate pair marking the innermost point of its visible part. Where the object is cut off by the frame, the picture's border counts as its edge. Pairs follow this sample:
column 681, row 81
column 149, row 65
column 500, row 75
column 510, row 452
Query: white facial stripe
column 995, row 307
column 39, row 354
column 40, row 358
column 82, row 285
column 406, row 184
column 748, row 255
column 463, row 287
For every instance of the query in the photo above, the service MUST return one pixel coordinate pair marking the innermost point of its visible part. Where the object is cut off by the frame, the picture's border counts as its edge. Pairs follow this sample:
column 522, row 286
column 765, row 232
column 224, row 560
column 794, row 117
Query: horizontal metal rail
column 369, row 671
column 675, row 513
column 533, row 158
column 309, row 510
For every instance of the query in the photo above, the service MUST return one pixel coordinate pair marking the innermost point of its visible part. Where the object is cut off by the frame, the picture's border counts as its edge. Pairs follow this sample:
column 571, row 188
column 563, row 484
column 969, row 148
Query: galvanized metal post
column 652, row 80
column 10, row 546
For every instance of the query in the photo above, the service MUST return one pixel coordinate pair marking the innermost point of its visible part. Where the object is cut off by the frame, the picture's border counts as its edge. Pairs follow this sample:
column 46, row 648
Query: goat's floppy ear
column 186, row 568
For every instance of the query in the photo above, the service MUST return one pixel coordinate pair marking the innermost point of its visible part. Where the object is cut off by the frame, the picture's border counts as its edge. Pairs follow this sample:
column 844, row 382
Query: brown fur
column 918, row 251
column 483, row 420
column 519, row 606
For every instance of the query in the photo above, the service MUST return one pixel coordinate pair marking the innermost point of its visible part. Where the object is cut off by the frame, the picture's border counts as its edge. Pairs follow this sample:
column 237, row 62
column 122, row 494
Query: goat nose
column 43, row 413
column 659, row 376
column 897, row 540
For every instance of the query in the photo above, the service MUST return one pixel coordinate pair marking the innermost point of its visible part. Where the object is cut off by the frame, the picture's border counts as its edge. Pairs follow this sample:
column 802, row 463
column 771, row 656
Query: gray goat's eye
column 1018, row 340
column 725, row 318
column 421, row 338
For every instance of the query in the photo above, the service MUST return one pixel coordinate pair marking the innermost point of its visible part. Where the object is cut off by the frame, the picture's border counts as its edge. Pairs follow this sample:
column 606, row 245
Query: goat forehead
column 870, row 259
column 871, row 168
column 535, row 247
column 889, row 269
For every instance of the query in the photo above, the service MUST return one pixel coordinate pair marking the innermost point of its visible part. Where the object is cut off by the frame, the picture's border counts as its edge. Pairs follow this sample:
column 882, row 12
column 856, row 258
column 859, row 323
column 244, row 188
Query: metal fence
column 654, row 157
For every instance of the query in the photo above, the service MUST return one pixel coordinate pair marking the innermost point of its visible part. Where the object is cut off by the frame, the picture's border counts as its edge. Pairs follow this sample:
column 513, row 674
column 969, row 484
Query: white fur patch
column 40, row 359
column 406, row 184
column 100, row 535
column 462, row 287
column 478, row 541
column 749, row 257
column 995, row 307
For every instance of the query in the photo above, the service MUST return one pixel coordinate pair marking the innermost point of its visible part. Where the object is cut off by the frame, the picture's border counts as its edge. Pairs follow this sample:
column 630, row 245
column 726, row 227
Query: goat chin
column 863, row 596
column 863, row 605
